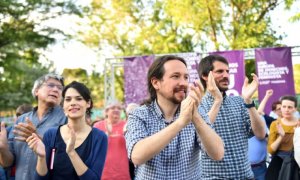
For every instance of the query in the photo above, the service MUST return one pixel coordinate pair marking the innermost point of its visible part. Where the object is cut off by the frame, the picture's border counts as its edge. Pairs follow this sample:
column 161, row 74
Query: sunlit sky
column 74, row 54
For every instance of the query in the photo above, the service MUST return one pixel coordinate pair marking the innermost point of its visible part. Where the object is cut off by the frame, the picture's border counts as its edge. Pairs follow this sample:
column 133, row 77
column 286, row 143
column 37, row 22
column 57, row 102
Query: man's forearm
column 146, row 149
column 214, row 110
column 257, row 125
column 211, row 141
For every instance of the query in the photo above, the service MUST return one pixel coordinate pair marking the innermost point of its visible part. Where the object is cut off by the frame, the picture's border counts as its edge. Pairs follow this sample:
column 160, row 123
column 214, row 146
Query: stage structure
column 117, row 63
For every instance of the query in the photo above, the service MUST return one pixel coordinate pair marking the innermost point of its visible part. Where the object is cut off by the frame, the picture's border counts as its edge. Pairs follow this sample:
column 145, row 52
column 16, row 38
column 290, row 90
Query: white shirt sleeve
column 297, row 145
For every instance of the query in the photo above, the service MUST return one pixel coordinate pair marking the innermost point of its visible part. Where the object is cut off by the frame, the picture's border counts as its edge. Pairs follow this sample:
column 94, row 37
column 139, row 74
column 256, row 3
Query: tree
column 288, row 5
column 93, row 82
column 24, row 34
column 134, row 27
column 138, row 27
column 296, row 70
column 145, row 27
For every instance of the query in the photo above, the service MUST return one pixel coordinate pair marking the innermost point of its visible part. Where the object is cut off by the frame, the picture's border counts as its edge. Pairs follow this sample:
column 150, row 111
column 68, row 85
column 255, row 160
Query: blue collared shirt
column 25, row 159
column 258, row 148
column 178, row 160
column 233, row 125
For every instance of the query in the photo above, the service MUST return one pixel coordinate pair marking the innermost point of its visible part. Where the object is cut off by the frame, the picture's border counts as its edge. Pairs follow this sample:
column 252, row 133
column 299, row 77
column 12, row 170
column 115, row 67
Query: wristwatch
column 249, row 105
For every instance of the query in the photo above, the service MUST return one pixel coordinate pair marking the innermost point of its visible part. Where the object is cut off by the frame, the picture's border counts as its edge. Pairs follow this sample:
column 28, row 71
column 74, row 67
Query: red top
column 116, row 164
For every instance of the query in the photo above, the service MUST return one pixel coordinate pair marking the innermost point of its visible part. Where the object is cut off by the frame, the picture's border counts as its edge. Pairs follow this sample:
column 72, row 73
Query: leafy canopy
column 24, row 34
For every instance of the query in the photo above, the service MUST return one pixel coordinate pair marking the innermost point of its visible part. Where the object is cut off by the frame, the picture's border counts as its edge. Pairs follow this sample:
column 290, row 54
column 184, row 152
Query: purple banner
column 275, row 71
column 236, row 70
column 192, row 61
column 135, row 76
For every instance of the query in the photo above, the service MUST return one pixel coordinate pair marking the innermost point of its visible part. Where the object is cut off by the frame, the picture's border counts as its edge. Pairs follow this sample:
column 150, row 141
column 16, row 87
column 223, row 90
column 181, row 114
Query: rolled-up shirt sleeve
column 136, row 131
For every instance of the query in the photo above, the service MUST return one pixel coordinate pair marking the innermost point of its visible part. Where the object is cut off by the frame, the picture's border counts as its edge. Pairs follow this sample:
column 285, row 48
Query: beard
column 174, row 98
column 222, row 88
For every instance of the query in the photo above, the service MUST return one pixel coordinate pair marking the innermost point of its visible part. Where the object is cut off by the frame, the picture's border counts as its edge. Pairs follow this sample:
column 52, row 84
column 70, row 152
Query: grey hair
column 131, row 107
column 38, row 83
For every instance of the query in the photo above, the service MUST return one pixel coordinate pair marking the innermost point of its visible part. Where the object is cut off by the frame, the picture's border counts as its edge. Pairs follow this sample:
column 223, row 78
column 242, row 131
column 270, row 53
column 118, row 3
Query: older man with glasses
column 48, row 92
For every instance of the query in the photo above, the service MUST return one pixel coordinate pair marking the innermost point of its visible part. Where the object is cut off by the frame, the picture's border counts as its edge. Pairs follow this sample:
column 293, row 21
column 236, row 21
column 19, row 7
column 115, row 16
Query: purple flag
column 135, row 76
column 275, row 71
column 192, row 60
column 236, row 70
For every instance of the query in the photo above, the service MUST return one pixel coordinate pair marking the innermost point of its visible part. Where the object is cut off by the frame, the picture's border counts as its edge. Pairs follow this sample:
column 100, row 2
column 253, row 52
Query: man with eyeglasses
column 48, row 92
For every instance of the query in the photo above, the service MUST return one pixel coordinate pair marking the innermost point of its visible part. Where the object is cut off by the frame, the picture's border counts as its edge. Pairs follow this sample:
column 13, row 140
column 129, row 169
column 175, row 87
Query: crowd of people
column 182, row 131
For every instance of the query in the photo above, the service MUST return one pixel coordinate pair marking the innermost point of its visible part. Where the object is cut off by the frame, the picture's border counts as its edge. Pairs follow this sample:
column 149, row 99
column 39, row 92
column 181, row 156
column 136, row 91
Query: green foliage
column 296, row 71
column 16, row 83
column 78, row 74
column 250, row 68
column 94, row 82
column 23, row 37
column 139, row 27
column 119, row 85
column 295, row 18
column 135, row 27
column 288, row 6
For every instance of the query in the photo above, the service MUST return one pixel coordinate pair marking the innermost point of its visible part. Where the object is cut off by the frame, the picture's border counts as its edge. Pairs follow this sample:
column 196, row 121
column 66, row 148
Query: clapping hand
column 186, row 108
column 280, row 130
column 269, row 92
column 23, row 130
column 71, row 141
column 36, row 144
column 212, row 87
column 249, row 89
column 3, row 137
column 196, row 92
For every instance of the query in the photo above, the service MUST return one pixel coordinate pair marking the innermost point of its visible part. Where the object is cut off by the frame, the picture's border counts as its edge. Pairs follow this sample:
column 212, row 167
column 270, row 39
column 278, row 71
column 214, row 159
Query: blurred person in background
column 116, row 165
column 257, row 148
column 276, row 110
column 280, row 142
column 22, row 109
column 14, row 150
column 130, row 107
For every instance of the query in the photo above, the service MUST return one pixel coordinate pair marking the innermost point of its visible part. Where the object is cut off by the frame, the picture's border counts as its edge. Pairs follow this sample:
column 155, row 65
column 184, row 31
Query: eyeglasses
column 52, row 85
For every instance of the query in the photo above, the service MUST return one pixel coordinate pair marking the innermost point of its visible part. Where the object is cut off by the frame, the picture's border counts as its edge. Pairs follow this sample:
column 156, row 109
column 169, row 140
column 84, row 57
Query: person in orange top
column 116, row 166
column 280, row 143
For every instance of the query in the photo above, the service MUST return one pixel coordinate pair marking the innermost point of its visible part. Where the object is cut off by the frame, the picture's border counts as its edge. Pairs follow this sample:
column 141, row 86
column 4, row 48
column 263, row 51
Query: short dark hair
column 157, row 70
column 206, row 65
column 290, row 98
column 83, row 91
column 22, row 109
column 274, row 105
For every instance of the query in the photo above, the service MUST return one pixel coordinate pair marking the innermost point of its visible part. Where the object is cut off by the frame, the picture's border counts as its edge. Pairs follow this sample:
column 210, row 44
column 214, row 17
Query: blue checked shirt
column 233, row 125
column 25, row 158
column 179, row 160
